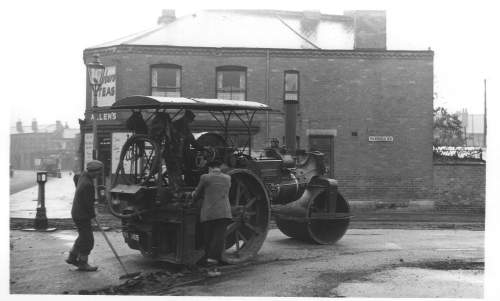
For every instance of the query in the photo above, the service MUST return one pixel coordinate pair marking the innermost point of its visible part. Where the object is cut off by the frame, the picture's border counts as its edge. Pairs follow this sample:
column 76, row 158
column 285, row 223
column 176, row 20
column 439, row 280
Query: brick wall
column 460, row 186
column 373, row 93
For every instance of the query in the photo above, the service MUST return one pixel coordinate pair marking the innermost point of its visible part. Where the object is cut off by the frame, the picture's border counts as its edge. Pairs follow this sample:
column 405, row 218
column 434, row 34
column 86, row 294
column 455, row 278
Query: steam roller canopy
column 309, row 218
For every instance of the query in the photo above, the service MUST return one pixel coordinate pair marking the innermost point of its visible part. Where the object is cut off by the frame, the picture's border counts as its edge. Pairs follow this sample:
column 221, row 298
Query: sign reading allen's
column 104, row 116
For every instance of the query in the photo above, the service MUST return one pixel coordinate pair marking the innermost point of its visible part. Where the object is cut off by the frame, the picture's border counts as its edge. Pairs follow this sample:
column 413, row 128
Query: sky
column 46, row 73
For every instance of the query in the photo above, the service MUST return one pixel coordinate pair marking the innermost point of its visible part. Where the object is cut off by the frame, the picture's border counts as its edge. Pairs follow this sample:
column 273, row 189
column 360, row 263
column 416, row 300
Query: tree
column 447, row 128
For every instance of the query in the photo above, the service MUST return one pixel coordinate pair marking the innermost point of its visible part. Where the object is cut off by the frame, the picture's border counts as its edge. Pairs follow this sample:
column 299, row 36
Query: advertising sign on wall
column 88, row 146
column 118, row 139
column 106, row 95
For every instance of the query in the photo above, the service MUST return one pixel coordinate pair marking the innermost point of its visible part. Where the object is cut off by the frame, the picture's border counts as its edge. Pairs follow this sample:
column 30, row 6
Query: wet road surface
column 365, row 263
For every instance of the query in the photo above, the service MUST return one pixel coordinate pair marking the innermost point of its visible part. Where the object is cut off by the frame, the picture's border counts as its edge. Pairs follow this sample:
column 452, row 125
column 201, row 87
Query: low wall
column 460, row 186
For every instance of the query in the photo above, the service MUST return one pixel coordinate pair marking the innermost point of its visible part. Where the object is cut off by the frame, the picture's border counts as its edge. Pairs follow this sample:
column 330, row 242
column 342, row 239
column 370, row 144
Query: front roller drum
column 320, row 231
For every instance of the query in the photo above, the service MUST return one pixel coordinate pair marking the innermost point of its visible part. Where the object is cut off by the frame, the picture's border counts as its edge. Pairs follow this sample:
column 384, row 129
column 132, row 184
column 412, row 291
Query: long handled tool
column 127, row 274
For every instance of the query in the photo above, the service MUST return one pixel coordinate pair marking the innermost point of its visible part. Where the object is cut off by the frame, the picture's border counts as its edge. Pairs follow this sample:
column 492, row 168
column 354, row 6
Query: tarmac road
column 365, row 263
column 21, row 180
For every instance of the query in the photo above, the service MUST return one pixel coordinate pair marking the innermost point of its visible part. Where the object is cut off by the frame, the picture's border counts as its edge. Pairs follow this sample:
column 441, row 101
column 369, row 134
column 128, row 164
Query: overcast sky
column 46, row 39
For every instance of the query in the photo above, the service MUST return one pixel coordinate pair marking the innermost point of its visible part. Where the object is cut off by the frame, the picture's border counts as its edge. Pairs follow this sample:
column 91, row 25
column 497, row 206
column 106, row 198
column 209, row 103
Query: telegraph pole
column 485, row 119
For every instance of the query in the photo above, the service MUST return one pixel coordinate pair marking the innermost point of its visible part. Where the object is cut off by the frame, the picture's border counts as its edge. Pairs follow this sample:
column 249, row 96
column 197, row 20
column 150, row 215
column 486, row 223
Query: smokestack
column 34, row 126
column 291, row 125
column 369, row 29
column 19, row 126
column 167, row 16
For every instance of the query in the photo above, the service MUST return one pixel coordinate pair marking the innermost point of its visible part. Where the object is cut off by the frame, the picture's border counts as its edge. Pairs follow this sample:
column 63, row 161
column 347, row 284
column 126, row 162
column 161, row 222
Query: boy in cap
column 82, row 212
column 215, row 212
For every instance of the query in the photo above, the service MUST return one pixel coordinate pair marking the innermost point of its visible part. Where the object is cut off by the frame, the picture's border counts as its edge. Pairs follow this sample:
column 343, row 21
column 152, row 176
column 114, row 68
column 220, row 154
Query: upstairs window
column 166, row 80
column 291, row 85
column 231, row 83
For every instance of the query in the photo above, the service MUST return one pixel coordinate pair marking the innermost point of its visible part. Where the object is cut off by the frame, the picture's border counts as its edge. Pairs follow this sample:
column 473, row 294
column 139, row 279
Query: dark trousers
column 85, row 240
column 213, row 237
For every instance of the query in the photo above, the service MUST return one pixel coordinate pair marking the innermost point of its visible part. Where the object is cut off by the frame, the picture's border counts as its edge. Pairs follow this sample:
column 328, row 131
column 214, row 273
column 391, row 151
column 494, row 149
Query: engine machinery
column 162, row 222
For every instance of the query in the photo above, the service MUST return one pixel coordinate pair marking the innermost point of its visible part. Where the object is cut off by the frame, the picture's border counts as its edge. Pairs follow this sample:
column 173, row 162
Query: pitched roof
column 249, row 29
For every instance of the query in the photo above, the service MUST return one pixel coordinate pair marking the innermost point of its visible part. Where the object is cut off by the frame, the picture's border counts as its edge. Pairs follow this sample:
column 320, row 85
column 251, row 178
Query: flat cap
column 94, row 165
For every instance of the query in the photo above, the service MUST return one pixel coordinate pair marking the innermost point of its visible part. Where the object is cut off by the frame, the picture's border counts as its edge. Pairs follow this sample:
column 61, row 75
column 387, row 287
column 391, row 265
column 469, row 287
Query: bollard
column 41, row 222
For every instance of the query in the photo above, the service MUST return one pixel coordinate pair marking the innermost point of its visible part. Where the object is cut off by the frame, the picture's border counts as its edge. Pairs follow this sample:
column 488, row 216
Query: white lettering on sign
column 118, row 139
column 88, row 147
column 380, row 138
column 104, row 116
column 106, row 95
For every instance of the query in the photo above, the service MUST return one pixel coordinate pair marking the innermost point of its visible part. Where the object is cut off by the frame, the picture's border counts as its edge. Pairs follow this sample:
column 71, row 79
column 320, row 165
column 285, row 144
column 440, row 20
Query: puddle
column 62, row 236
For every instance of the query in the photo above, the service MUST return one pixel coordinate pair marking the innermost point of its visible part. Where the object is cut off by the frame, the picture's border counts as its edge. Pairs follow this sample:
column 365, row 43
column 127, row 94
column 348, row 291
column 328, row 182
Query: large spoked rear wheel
column 140, row 161
column 251, row 214
column 140, row 164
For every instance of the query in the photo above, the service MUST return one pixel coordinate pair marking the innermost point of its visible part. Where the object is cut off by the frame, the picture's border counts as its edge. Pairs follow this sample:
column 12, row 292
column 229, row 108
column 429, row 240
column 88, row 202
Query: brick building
column 367, row 108
column 28, row 144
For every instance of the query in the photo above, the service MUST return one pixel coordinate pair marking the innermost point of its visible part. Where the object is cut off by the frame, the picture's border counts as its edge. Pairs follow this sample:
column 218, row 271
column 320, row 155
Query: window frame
column 231, row 68
column 285, row 92
column 166, row 66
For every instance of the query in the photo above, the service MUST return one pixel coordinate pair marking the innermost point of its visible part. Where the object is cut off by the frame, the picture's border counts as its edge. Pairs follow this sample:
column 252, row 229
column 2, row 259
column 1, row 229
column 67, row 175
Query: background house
column 28, row 144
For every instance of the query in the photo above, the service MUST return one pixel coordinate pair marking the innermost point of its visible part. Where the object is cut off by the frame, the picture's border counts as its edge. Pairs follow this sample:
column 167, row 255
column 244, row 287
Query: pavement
column 59, row 194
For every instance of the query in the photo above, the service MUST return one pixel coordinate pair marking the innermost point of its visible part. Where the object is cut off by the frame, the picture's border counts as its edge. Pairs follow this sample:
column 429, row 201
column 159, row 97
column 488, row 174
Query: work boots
column 72, row 258
column 84, row 266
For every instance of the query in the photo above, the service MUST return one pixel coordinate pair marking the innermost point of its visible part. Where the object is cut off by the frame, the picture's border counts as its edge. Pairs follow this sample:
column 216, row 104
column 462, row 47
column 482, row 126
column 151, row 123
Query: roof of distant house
column 68, row 133
column 249, row 29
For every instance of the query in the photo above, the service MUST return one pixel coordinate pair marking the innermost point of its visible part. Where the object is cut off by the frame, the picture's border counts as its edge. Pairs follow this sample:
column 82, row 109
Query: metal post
column 485, row 118
column 94, row 124
column 41, row 222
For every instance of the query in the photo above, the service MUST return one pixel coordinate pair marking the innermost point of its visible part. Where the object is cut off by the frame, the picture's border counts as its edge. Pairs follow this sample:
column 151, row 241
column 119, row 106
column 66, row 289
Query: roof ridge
column 297, row 33
column 123, row 39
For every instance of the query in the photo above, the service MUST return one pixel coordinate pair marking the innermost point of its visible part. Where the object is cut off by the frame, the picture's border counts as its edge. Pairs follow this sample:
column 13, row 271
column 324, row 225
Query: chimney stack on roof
column 59, row 126
column 312, row 14
column 369, row 29
column 34, row 125
column 167, row 16
column 19, row 126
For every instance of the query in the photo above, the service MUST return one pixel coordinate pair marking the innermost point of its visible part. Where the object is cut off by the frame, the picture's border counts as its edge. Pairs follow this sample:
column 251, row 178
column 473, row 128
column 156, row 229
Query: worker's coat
column 215, row 188
column 83, row 202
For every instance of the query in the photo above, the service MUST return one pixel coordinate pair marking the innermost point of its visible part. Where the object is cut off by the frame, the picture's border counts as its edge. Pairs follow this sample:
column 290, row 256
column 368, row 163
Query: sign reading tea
column 106, row 95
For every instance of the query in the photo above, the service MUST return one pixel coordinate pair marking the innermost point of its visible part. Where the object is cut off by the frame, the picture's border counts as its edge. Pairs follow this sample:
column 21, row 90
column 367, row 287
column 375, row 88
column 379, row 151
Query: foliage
column 457, row 153
column 447, row 129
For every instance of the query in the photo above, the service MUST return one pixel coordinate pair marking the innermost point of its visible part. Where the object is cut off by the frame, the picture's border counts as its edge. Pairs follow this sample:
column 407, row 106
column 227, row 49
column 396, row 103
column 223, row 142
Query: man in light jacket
column 215, row 212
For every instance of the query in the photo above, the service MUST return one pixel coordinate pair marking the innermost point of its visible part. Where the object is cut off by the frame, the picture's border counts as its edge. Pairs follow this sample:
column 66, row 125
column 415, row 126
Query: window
column 231, row 83
column 291, row 86
column 166, row 80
